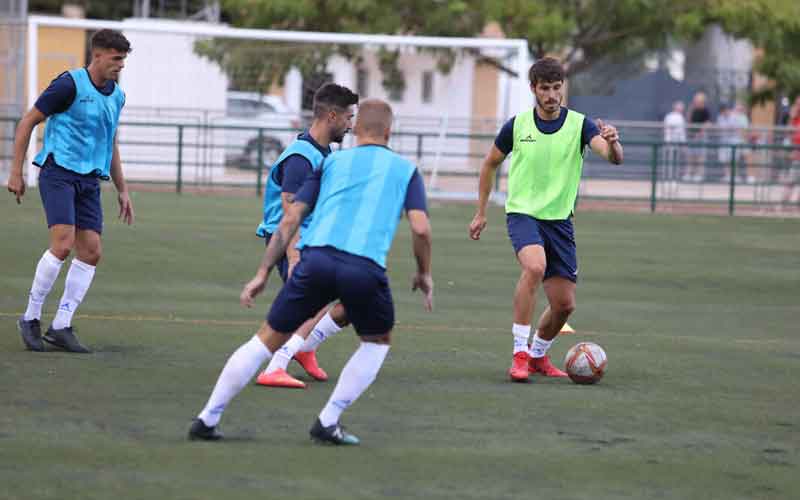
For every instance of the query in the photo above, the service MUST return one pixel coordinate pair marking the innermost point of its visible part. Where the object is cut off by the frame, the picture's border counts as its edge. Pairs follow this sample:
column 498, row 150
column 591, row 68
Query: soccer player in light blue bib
column 333, row 116
column 82, row 108
column 358, row 197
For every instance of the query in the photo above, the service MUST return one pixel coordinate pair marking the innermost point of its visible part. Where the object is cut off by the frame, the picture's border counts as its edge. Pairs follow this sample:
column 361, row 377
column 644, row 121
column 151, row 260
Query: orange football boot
column 519, row 367
column 308, row 360
column 543, row 366
column 279, row 378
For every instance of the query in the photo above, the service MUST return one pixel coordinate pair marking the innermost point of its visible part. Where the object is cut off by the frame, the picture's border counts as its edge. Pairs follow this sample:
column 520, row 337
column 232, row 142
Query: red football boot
column 279, row 378
column 308, row 360
column 519, row 367
column 544, row 367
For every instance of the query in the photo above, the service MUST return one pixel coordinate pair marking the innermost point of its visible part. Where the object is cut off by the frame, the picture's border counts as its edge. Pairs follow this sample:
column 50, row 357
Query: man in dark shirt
column 82, row 108
column 699, row 122
column 333, row 114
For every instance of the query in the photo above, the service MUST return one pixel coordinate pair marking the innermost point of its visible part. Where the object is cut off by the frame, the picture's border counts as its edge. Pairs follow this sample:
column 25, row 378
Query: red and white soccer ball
column 586, row 363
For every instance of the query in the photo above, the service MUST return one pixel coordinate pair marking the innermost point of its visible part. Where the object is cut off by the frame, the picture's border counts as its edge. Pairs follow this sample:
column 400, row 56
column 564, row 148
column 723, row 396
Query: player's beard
column 338, row 136
column 546, row 106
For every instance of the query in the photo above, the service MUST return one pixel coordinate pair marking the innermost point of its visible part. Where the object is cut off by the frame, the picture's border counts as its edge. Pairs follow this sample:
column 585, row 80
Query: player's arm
column 501, row 147
column 416, row 210
column 606, row 144
column 22, row 137
column 290, row 222
column 295, row 171
column 123, row 197
column 292, row 254
column 421, row 241
column 56, row 98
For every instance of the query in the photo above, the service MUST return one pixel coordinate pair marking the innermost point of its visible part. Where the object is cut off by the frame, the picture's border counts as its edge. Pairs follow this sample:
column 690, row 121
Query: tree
column 255, row 65
column 771, row 25
column 587, row 32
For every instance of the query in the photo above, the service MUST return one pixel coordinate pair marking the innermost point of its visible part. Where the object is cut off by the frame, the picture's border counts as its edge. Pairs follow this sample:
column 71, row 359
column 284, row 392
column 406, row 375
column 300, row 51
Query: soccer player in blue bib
column 358, row 197
column 82, row 108
column 333, row 115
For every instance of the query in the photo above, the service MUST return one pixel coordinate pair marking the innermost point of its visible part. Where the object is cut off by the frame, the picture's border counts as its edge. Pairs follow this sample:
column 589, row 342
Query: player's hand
column 608, row 132
column 424, row 283
column 16, row 185
column 125, row 207
column 477, row 226
column 254, row 287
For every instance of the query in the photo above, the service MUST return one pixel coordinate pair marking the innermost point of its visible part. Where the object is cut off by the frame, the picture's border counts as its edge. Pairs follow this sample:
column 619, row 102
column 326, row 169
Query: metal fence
column 688, row 176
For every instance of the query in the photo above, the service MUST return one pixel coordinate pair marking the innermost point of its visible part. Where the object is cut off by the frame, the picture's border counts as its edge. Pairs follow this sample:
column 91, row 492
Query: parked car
column 247, row 112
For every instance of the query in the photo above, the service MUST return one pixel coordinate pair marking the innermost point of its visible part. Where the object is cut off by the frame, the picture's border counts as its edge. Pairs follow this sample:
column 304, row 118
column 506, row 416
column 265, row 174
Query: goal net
column 211, row 105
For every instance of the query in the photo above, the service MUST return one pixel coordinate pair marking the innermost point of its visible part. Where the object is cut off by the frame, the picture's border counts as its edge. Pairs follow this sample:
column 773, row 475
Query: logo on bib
column 529, row 138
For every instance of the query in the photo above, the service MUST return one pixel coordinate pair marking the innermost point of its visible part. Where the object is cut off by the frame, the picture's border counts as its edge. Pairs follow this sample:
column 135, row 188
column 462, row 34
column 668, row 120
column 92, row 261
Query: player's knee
column 61, row 245
column 90, row 254
column 563, row 307
column 384, row 339
column 339, row 315
column 533, row 272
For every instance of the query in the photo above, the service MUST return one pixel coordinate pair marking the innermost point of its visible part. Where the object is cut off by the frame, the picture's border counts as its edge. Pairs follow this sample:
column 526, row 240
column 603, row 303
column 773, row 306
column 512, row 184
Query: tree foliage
column 588, row 32
column 255, row 65
column 774, row 27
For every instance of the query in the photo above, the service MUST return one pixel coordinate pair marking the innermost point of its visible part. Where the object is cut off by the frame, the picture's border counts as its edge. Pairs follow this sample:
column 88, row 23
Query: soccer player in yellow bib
column 548, row 143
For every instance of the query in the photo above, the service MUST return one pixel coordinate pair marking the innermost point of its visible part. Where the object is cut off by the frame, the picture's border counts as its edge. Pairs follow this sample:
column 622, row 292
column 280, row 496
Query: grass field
column 699, row 317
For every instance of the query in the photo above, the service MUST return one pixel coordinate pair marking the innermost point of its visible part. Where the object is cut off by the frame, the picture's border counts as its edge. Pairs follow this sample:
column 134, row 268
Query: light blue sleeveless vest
column 361, row 198
column 81, row 138
column 273, row 210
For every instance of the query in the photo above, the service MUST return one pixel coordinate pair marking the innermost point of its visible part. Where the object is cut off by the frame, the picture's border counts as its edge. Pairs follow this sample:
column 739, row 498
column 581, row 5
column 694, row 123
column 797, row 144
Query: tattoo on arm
column 283, row 235
column 275, row 251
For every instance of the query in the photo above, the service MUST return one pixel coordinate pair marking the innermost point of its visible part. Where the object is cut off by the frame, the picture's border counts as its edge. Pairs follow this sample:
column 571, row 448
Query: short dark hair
column 546, row 69
column 331, row 96
column 110, row 39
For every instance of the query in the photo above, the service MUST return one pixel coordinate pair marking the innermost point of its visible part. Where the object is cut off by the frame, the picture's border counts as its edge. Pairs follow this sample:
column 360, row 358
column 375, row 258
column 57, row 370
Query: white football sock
column 326, row 327
column 46, row 274
column 521, row 335
column 79, row 277
column 359, row 372
column 539, row 347
column 285, row 354
column 238, row 371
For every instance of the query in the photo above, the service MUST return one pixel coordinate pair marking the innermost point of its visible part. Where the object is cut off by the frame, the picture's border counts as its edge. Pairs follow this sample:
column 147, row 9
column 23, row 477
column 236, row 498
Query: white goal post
column 517, row 49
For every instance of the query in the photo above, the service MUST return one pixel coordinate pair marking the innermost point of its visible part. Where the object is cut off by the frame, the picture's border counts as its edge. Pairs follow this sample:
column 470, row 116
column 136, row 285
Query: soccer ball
column 585, row 363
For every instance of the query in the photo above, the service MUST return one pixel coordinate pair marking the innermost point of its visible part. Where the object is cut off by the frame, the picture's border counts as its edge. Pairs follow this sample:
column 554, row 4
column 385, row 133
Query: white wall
column 166, row 82
column 163, row 71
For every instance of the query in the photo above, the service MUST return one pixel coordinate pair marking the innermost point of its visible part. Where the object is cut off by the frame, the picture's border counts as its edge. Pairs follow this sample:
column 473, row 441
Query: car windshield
column 248, row 107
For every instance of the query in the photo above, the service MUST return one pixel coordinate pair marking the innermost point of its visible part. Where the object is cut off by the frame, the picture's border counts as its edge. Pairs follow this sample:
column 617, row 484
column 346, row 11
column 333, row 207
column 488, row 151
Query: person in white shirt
column 674, row 132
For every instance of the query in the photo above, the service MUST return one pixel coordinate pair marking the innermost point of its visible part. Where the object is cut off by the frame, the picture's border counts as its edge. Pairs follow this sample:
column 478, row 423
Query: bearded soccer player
column 333, row 117
column 548, row 143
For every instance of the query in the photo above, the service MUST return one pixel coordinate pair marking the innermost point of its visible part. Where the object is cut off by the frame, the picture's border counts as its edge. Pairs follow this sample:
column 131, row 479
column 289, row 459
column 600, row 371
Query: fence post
column 179, row 180
column 260, row 159
column 419, row 149
column 732, row 195
column 654, row 178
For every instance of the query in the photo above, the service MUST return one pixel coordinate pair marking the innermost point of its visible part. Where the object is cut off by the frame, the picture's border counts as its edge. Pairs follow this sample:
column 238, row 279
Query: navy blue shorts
column 283, row 264
column 557, row 237
column 71, row 198
column 325, row 274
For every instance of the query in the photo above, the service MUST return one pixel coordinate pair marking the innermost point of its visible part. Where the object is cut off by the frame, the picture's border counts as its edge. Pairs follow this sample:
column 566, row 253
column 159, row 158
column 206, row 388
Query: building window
column 362, row 82
column 427, row 86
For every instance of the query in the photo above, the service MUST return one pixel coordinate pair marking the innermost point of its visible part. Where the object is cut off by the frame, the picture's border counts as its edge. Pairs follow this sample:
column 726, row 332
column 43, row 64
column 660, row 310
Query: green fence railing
column 727, row 177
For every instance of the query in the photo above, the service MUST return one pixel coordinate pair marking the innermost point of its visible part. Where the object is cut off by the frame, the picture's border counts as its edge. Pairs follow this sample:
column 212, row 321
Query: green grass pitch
column 699, row 316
